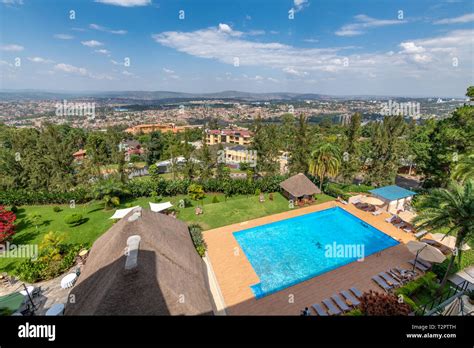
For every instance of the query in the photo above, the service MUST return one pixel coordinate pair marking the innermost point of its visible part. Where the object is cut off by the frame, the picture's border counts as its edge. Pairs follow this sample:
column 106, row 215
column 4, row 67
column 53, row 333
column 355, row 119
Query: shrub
column 196, row 192
column 440, row 268
column 29, row 197
column 7, row 226
column 355, row 312
column 258, row 192
column 74, row 219
column 334, row 191
column 215, row 199
column 185, row 203
column 54, row 259
column 196, row 235
column 378, row 304
column 30, row 271
column 56, row 209
column 14, row 209
column 155, row 197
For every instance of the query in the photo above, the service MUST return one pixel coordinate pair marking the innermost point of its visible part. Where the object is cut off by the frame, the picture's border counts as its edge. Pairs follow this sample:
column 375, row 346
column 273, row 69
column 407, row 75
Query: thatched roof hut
column 299, row 186
column 164, row 276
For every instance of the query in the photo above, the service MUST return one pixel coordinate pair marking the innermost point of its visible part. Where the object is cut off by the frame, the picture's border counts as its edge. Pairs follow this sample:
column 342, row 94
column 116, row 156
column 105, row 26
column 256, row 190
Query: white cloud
column 318, row 64
column 107, row 30
column 39, row 60
column 103, row 51
column 364, row 22
column 12, row 2
column 114, row 62
column 92, row 43
column 12, row 48
column 168, row 71
column 411, row 47
column 127, row 73
column 469, row 17
column 125, row 3
column 294, row 72
column 63, row 36
column 67, row 68
column 300, row 4
column 83, row 72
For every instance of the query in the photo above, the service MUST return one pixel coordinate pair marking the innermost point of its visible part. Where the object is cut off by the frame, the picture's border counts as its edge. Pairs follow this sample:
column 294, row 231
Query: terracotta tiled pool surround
column 235, row 274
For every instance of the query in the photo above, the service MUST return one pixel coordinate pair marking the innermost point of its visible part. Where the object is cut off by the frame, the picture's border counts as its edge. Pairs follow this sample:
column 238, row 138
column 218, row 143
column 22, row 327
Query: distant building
column 131, row 147
column 230, row 136
column 235, row 155
column 158, row 127
column 167, row 165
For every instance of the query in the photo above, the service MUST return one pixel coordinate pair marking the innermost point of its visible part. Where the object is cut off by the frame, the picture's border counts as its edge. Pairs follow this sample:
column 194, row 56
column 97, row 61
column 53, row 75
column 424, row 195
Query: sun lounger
column 419, row 265
column 390, row 281
column 408, row 229
column 333, row 310
column 424, row 263
column 377, row 212
column 356, row 292
column 342, row 305
column 348, row 296
column 400, row 224
column 321, row 312
column 380, row 282
column 420, row 234
column 390, row 219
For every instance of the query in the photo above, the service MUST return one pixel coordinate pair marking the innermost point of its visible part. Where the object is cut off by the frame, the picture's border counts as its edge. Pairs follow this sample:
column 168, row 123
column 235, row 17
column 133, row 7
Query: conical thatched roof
column 299, row 185
column 169, row 279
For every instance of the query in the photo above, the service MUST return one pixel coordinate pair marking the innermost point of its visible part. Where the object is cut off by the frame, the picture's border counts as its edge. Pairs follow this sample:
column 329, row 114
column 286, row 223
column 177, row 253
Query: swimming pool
column 290, row 251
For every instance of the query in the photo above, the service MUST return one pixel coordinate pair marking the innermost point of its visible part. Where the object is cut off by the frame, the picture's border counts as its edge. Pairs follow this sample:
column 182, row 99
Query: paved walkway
column 51, row 291
column 235, row 274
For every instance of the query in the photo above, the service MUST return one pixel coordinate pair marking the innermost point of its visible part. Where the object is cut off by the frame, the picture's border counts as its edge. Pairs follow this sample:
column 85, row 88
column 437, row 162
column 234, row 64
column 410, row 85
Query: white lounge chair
column 377, row 212
column 390, row 219
column 420, row 234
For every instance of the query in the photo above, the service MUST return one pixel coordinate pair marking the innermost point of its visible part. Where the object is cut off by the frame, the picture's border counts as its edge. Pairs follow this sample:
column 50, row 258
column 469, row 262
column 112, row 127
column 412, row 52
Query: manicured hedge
column 24, row 197
column 146, row 188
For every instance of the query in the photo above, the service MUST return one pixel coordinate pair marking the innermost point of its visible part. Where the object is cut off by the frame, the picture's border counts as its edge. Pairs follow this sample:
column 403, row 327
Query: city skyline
column 300, row 46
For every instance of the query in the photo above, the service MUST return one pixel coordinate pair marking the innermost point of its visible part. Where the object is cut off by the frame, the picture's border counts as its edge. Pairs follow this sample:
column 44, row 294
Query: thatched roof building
column 299, row 186
column 161, row 274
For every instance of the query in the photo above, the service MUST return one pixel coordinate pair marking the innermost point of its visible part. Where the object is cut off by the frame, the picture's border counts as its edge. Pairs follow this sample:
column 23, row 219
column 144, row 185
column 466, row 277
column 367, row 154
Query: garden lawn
column 97, row 222
column 238, row 210
column 225, row 212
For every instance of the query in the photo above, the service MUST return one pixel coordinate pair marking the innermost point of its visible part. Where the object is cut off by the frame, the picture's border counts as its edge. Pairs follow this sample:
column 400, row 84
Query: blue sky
column 381, row 47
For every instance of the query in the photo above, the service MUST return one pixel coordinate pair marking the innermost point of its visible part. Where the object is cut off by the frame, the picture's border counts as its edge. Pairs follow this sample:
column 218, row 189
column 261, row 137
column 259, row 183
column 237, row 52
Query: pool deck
column 235, row 274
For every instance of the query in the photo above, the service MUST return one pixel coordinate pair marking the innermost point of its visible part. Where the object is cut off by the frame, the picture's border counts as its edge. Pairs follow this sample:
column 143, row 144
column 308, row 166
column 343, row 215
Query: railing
column 432, row 307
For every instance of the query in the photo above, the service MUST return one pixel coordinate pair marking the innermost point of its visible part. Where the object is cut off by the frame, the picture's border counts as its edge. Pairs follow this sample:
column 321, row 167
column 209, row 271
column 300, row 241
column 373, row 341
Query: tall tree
column 451, row 138
column 206, row 165
column 264, row 143
column 300, row 147
column 448, row 211
column 351, row 157
column 325, row 161
column 155, row 146
column 386, row 150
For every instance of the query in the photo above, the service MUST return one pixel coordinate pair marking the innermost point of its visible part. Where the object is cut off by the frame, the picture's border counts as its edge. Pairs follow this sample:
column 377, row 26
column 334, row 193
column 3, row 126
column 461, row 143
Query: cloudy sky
column 381, row 47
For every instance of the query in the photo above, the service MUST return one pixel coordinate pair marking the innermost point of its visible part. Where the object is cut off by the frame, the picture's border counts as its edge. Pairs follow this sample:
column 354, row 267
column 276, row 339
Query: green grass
column 238, row 210
column 97, row 222
column 233, row 210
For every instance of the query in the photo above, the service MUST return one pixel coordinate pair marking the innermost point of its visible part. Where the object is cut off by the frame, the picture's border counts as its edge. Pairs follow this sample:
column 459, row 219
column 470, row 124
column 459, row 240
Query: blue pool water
column 290, row 251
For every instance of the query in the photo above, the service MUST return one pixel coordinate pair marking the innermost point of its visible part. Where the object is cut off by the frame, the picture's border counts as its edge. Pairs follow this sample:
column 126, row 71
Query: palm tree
column 325, row 161
column 464, row 170
column 449, row 211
